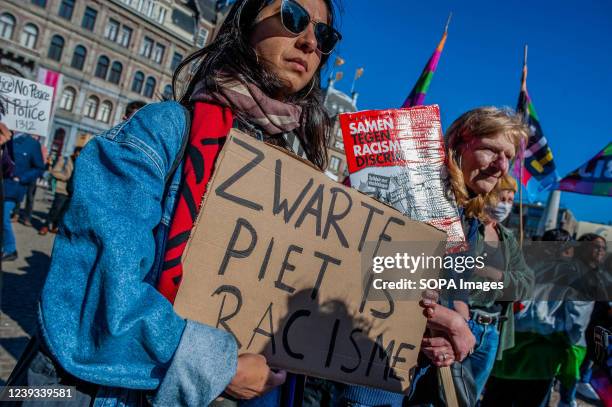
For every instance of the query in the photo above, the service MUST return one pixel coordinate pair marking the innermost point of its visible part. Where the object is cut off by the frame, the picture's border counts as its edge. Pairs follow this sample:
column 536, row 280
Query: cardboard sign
column 27, row 104
column 276, row 259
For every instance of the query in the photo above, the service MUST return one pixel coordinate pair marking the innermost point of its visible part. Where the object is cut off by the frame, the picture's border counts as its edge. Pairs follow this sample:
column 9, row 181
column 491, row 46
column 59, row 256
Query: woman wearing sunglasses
column 107, row 325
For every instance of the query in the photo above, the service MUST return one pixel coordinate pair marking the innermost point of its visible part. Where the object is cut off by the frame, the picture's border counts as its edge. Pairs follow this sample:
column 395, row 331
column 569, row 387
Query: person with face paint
column 106, row 321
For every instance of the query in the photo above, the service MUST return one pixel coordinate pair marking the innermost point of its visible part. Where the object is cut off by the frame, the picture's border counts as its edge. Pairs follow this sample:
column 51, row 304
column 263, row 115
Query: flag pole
column 521, row 186
column 522, row 161
column 358, row 74
column 416, row 96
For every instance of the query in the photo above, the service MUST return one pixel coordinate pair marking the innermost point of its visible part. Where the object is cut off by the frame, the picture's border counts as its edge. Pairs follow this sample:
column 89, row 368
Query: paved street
column 22, row 281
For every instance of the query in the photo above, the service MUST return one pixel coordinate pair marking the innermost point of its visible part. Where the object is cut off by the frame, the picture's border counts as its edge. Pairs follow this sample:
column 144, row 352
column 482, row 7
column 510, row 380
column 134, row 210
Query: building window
column 40, row 3
column 167, row 95
column 105, row 111
column 149, row 89
column 146, row 47
column 162, row 15
column 56, row 48
column 29, row 36
column 115, row 73
column 158, row 53
column 126, row 36
column 148, row 8
column 137, row 82
column 202, row 37
column 78, row 58
column 66, row 9
column 91, row 107
column 89, row 18
column 176, row 60
column 111, row 30
column 7, row 25
column 67, row 100
column 102, row 67
column 334, row 164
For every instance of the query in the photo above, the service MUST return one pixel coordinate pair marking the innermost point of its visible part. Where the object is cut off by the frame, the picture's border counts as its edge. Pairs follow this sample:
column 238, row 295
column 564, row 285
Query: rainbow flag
column 536, row 158
column 592, row 178
column 417, row 95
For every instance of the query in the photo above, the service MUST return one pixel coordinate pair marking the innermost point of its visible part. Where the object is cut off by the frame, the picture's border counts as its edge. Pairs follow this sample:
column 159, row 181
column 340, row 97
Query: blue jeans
column 359, row 396
column 482, row 360
column 568, row 394
column 270, row 399
column 8, row 245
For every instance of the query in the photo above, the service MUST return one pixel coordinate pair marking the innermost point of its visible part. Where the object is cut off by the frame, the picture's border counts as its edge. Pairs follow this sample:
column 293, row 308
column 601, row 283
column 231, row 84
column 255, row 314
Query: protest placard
column 275, row 258
column 403, row 147
column 27, row 104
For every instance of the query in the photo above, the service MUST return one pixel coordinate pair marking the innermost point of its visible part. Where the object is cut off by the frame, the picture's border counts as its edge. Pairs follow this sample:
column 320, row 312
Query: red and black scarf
column 211, row 123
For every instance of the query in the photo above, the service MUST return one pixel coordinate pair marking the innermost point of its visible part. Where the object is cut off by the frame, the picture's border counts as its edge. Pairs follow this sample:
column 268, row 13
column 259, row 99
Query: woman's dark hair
column 556, row 235
column 132, row 107
column 231, row 55
column 559, row 235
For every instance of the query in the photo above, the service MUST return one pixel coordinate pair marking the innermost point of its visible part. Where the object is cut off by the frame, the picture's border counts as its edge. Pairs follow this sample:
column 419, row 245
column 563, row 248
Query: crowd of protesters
column 106, row 322
column 25, row 163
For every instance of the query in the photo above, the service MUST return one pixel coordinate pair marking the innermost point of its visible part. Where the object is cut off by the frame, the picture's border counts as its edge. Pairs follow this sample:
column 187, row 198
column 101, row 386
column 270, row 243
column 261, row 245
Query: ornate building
column 337, row 102
column 108, row 52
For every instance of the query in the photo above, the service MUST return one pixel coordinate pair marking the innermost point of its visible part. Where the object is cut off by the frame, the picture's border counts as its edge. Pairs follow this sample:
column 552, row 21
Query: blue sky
column 570, row 67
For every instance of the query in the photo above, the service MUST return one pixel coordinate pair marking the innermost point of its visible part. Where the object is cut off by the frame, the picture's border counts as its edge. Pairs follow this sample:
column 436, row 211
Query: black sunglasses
column 295, row 19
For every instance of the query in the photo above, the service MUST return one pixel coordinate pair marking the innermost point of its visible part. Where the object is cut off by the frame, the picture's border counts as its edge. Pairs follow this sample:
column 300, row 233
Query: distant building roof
column 337, row 101
column 208, row 9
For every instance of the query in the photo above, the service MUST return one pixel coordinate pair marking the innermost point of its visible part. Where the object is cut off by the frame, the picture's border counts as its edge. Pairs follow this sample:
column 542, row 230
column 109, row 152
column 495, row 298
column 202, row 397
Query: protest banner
column 276, row 258
column 403, row 147
column 27, row 104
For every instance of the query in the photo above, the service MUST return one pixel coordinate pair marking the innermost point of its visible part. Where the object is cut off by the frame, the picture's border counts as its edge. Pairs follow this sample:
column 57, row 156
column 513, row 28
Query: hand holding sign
column 253, row 377
column 439, row 350
column 449, row 337
column 450, row 324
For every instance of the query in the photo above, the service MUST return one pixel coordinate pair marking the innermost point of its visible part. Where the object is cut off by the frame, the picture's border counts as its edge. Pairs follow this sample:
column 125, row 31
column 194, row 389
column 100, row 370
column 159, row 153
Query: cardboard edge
column 294, row 155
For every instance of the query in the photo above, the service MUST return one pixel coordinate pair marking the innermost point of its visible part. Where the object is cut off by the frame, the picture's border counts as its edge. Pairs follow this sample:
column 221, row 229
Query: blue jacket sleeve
column 100, row 319
column 37, row 165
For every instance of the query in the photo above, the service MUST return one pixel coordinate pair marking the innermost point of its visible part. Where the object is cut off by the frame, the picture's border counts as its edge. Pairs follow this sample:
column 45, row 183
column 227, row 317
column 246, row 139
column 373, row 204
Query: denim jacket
column 100, row 315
